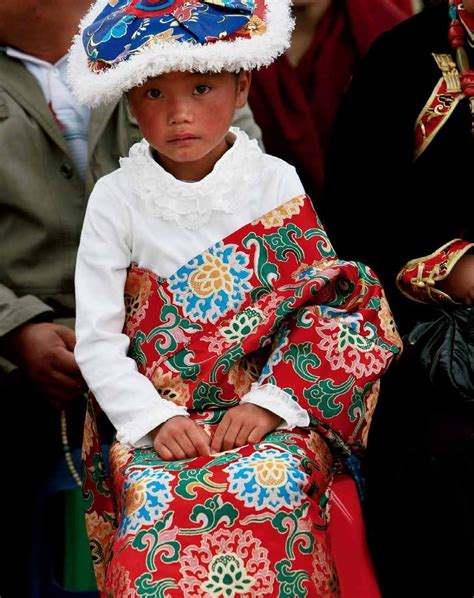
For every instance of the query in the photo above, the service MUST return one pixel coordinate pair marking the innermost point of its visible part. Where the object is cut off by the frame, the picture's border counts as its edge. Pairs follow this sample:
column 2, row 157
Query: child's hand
column 180, row 438
column 459, row 284
column 244, row 424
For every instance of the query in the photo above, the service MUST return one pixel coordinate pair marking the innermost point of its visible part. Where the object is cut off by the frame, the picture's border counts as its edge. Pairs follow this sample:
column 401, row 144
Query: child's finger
column 256, row 435
column 231, row 434
column 164, row 453
column 216, row 445
column 174, row 447
column 199, row 439
column 187, row 444
column 244, row 434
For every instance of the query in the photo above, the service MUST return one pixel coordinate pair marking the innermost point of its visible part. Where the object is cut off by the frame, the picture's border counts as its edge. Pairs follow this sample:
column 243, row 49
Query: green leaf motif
column 149, row 540
column 302, row 357
column 291, row 582
column 265, row 271
column 135, row 350
column 97, row 475
column 324, row 394
column 357, row 408
column 172, row 323
column 323, row 245
column 181, row 363
column 207, row 396
column 211, row 514
column 150, row 589
column 226, row 361
column 287, row 523
column 193, row 479
column 284, row 244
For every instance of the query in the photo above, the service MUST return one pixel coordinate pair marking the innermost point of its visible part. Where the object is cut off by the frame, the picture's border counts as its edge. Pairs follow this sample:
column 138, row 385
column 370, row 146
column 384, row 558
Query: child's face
column 186, row 116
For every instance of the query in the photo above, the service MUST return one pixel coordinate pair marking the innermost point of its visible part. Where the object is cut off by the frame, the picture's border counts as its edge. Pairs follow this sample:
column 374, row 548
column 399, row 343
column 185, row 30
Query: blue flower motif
column 145, row 497
column 118, row 30
column 353, row 320
column 212, row 284
column 267, row 480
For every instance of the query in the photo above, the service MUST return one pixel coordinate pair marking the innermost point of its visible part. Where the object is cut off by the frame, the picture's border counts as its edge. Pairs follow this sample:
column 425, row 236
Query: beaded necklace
column 457, row 38
column 67, row 450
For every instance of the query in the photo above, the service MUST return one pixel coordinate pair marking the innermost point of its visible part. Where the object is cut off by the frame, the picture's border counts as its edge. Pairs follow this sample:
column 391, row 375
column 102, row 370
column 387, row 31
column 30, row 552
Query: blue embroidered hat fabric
column 124, row 27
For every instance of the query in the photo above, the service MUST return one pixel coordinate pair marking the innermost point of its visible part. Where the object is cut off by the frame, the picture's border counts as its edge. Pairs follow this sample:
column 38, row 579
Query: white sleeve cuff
column 277, row 401
column 137, row 433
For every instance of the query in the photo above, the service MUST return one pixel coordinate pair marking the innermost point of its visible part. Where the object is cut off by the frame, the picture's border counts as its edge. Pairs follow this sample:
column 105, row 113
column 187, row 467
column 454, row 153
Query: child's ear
column 243, row 87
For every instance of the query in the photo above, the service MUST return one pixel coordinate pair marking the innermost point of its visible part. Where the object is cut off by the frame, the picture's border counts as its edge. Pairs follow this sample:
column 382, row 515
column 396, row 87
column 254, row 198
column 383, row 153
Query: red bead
column 456, row 31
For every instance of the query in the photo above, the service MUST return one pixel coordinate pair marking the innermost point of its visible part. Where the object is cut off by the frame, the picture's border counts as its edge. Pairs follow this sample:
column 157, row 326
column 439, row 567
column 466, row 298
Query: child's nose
column 180, row 112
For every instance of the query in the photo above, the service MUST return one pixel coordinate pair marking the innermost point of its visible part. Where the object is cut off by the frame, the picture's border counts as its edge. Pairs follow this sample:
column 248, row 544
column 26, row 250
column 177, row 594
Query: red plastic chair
column 347, row 532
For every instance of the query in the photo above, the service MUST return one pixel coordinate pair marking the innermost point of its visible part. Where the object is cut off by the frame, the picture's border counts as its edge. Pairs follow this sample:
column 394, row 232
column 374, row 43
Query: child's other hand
column 244, row 424
column 459, row 284
column 180, row 438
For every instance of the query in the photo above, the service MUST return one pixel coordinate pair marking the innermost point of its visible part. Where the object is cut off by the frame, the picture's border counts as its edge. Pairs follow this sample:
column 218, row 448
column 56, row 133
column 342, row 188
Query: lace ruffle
column 277, row 401
column 190, row 204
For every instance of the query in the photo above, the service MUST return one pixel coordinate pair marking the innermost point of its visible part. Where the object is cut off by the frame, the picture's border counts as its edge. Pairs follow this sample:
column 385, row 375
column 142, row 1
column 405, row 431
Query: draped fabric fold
column 269, row 304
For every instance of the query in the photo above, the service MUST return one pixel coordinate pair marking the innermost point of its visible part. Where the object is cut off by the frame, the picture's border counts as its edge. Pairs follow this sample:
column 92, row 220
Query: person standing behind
column 295, row 100
column 52, row 152
column 404, row 143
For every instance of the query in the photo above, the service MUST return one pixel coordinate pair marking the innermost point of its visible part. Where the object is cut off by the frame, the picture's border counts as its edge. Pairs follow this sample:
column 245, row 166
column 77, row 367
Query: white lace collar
column 190, row 204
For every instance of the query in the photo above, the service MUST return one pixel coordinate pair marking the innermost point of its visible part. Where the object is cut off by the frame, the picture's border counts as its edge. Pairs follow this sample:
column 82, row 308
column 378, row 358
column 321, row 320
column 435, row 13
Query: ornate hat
column 122, row 43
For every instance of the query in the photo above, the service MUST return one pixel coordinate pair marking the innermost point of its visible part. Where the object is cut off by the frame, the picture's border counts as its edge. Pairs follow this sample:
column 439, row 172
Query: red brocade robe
column 272, row 304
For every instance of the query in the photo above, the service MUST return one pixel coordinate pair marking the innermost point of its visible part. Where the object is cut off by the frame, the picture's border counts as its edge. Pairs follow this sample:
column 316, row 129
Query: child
column 243, row 348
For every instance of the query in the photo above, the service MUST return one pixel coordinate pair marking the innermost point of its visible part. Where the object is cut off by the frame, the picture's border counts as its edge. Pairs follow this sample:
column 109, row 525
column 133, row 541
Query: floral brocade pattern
column 270, row 303
column 125, row 27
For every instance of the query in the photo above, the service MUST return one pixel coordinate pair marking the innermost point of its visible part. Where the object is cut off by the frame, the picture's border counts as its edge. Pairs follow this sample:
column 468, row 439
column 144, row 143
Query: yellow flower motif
column 119, row 455
column 387, row 323
column 211, row 277
column 170, row 388
column 322, row 453
column 255, row 26
column 165, row 36
column 277, row 216
column 316, row 266
column 271, row 472
column 135, row 497
column 371, row 402
column 88, row 435
column 243, row 373
column 101, row 534
column 137, row 292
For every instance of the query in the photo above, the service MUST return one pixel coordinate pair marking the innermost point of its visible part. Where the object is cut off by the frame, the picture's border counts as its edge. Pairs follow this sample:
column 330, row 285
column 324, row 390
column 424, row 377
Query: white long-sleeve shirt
column 141, row 214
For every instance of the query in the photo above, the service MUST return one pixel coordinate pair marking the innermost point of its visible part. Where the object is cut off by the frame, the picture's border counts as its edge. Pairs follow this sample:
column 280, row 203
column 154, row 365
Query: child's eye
column 153, row 94
column 201, row 89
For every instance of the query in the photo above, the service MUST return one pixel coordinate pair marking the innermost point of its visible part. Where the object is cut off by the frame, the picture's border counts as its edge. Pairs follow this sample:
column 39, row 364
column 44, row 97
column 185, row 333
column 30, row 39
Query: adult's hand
column 44, row 352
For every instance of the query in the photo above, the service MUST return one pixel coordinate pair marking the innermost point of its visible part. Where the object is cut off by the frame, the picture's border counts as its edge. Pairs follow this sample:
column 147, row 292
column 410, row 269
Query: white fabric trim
column 247, row 54
column 137, row 433
column 190, row 204
column 277, row 401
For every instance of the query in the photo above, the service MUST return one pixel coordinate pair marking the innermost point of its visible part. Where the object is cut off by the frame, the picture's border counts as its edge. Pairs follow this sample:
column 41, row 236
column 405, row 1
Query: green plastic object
column 78, row 571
